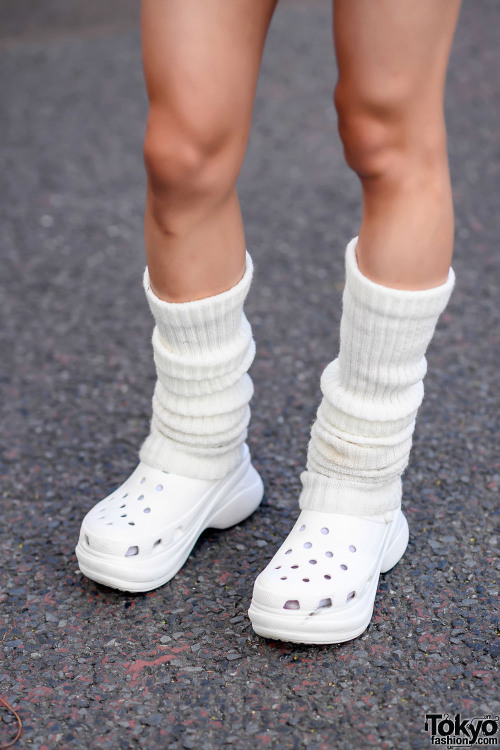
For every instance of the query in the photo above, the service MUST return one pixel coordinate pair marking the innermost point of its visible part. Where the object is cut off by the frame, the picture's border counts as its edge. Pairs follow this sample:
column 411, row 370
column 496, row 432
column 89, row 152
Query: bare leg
column 201, row 64
column 392, row 59
column 320, row 586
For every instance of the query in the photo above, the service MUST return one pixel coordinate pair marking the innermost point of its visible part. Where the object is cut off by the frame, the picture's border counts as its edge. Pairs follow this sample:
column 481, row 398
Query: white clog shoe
column 139, row 537
column 320, row 586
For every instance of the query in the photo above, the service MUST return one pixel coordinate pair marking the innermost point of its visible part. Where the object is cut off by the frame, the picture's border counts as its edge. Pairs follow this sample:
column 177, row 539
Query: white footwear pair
column 318, row 588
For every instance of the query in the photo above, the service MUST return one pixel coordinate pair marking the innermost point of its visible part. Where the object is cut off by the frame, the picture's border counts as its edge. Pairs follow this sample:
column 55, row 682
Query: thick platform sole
column 332, row 625
column 233, row 501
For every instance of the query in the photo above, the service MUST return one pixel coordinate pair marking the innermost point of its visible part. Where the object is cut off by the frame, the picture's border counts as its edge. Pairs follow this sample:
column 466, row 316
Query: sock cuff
column 418, row 303
column 203, row 324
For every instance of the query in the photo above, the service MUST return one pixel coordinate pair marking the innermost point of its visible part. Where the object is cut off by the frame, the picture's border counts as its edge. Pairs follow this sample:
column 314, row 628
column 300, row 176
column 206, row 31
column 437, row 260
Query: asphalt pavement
column 180, row 667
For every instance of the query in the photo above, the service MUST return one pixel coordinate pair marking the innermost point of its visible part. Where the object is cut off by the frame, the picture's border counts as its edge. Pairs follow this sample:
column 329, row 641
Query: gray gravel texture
column 180, row 667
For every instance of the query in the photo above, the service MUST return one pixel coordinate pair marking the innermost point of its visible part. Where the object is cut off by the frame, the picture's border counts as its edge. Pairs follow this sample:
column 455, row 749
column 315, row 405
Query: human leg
column 351, row 527
column 392, row 60
column 201, row 63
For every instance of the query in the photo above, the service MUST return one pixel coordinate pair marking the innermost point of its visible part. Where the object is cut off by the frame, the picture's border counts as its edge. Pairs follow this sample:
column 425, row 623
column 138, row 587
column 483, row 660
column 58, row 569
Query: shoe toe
column 327, row 562
column 148, row 513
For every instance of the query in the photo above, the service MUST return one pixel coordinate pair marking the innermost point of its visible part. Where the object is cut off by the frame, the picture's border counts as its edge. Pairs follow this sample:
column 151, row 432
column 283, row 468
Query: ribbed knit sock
column 202, row 351
column 362, row 436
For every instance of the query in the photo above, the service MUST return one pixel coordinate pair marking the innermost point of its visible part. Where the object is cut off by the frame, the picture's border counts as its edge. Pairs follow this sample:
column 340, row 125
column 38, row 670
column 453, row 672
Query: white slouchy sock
column 361, row 439
column 202, row 351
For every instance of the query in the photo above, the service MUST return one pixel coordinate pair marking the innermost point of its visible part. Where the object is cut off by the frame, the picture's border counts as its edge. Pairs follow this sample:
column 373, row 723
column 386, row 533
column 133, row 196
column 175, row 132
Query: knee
column 184, row 159
column 384, row 134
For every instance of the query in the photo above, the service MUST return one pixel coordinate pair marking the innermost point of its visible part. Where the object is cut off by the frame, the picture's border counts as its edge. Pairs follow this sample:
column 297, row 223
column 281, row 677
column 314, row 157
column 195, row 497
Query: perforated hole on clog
column 324, row 603
column 157, row 543
column 291, row 604
column 159, row 487
column 352, row 548
column 350, row 595
column 132, row 551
